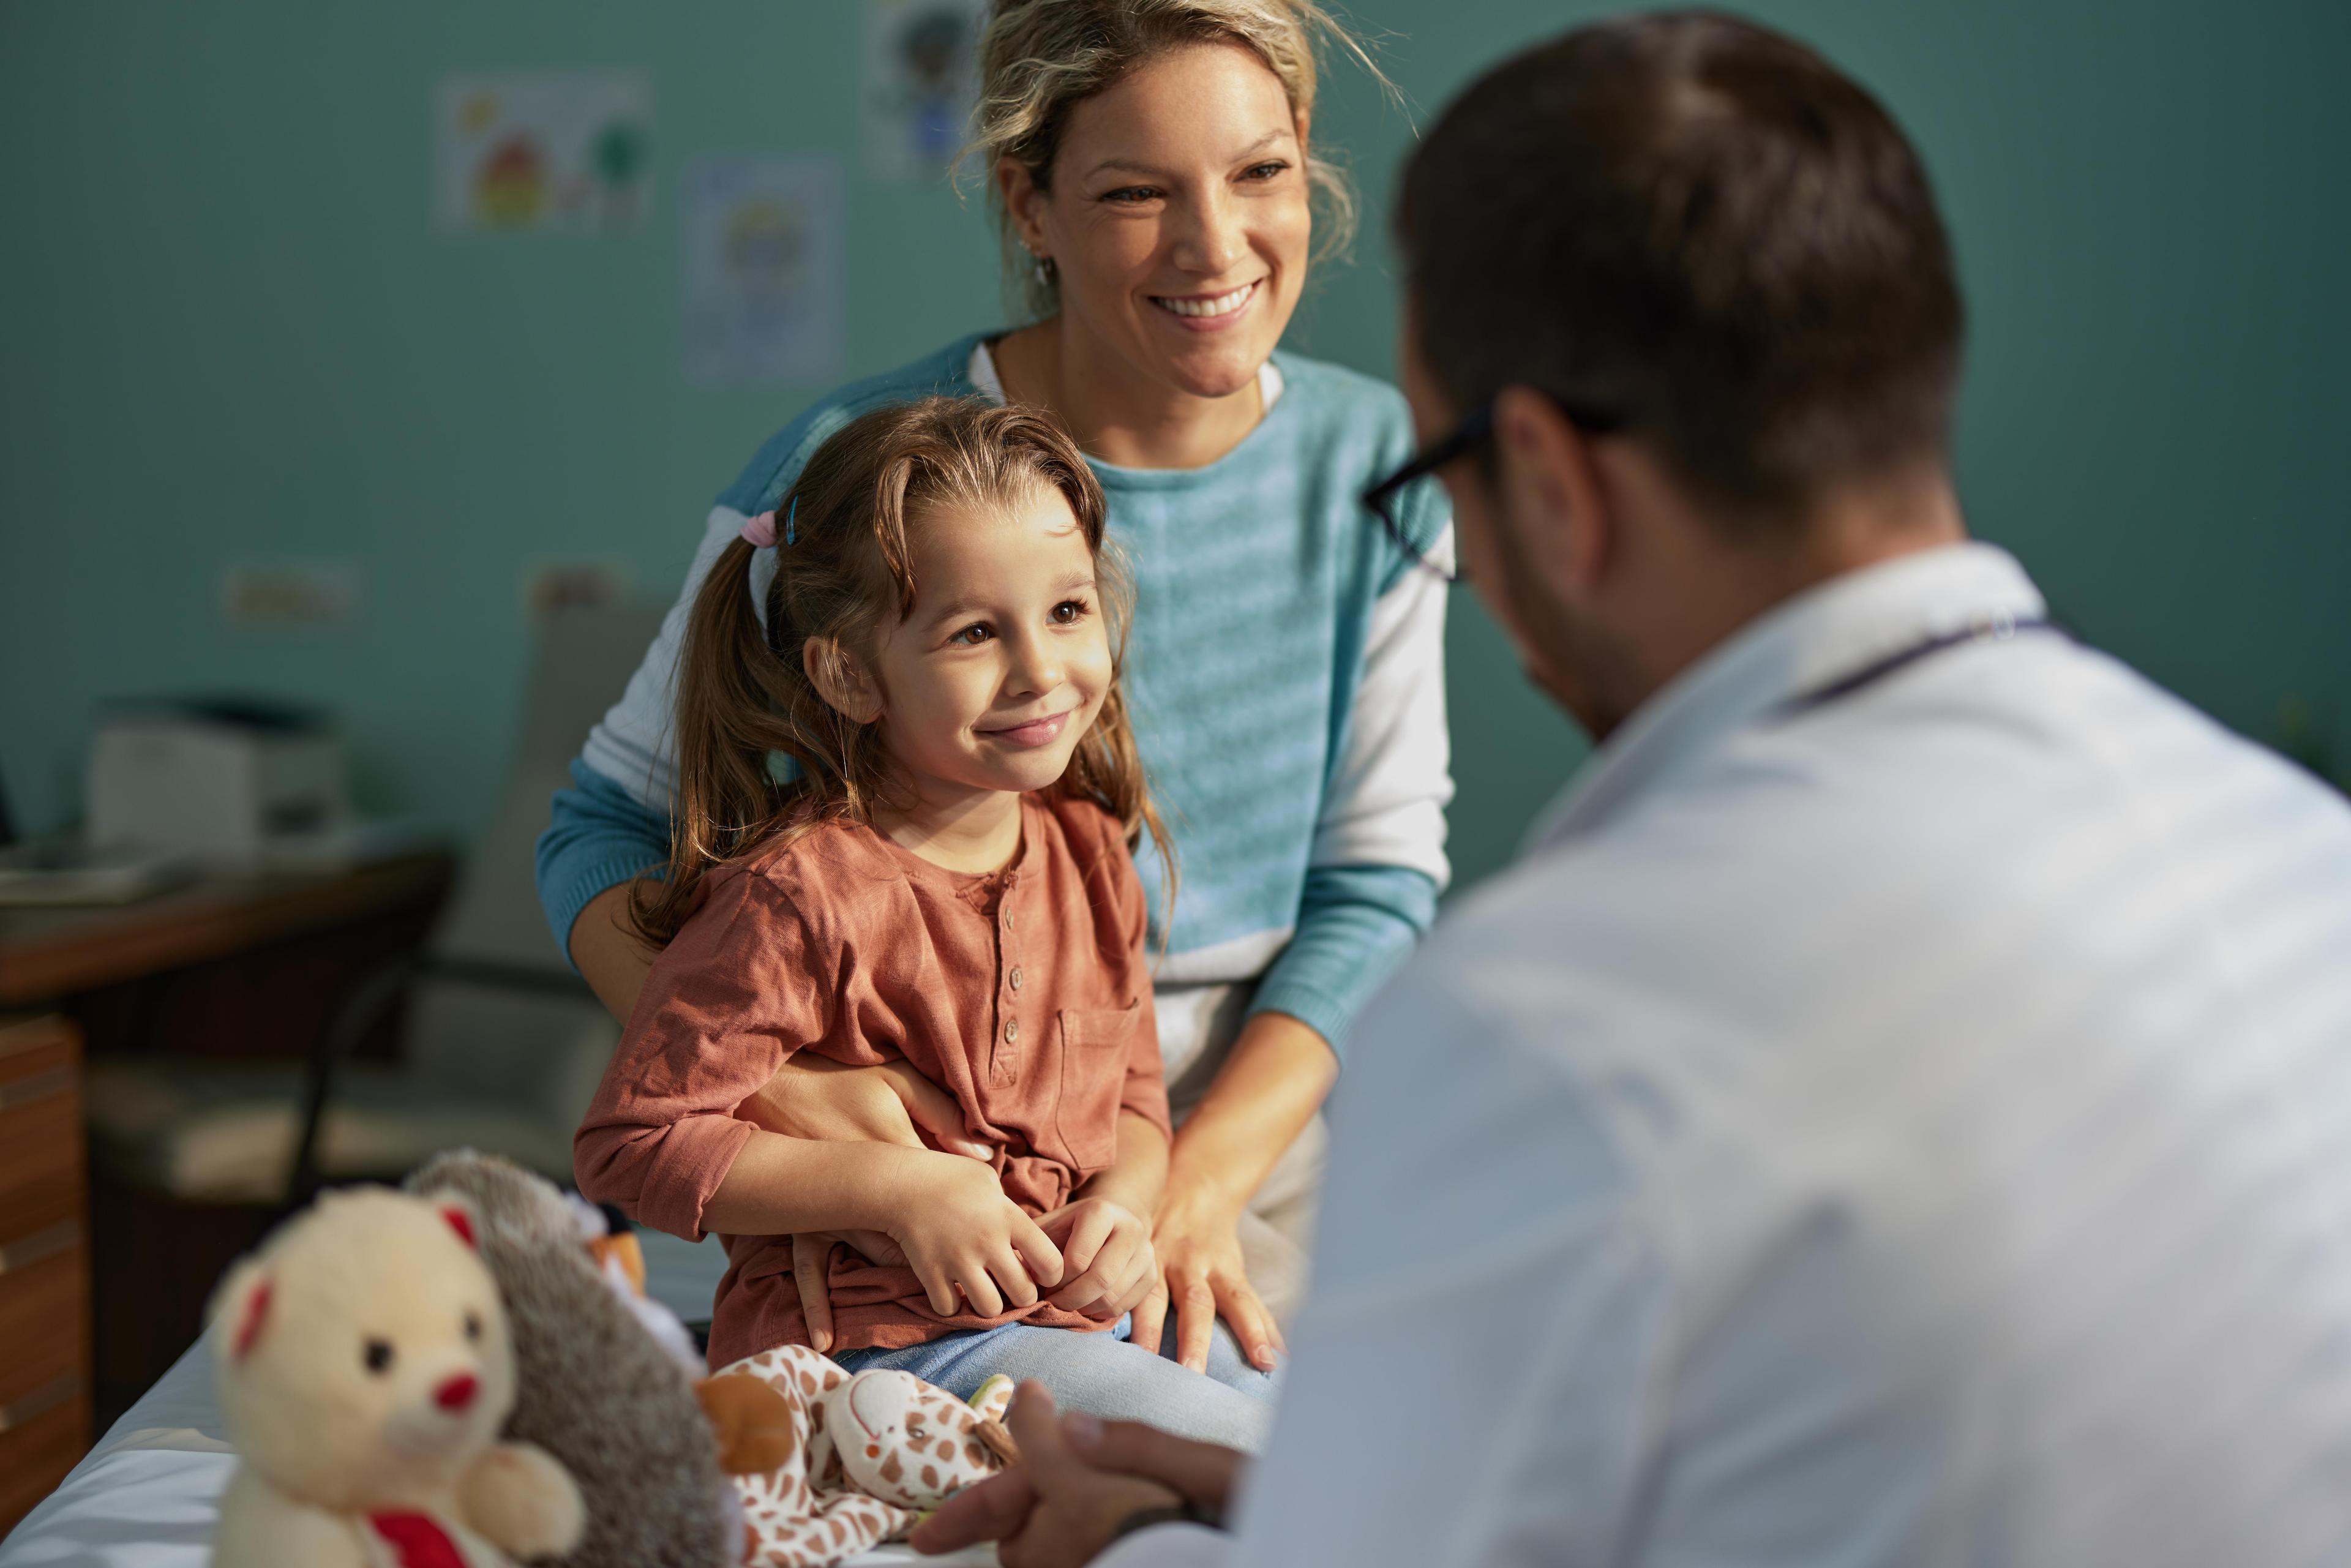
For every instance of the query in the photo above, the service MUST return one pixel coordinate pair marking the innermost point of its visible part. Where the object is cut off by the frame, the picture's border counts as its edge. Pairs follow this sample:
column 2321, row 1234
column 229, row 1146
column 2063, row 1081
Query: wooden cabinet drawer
column 44, row 1322
column 38, row 1447
column 40, row 1128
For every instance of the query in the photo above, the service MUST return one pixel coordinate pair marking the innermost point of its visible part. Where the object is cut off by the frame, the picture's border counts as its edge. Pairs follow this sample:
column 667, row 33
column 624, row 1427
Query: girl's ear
column 841, row 679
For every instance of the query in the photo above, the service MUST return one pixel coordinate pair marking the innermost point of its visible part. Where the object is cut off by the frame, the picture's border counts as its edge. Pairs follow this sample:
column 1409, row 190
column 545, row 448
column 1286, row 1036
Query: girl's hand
column 960, row 1233
column 1105, row 1255
column 1202, row 1275
column 813, row 1097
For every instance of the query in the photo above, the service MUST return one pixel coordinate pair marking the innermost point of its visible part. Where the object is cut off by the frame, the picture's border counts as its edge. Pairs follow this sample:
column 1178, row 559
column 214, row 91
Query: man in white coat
column 1899, row 1108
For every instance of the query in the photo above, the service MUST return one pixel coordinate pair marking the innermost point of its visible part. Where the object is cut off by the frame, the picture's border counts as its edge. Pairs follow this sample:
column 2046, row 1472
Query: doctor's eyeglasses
column 1475, row 430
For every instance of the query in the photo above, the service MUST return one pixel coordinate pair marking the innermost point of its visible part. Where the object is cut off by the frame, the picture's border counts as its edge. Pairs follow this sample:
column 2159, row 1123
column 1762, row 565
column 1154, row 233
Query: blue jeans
column 1102, row 1373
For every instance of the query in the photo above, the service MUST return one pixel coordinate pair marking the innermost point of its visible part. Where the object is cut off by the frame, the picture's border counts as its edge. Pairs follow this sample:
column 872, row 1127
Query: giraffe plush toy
column 845, row 1462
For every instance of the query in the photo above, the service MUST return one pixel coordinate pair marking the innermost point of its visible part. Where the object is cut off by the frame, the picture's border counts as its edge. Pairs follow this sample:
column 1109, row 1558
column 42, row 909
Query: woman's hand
column 813, row 1097
column 1202, row 1276
column 1106, row 1258
column 960, row 1233
column 1062, row 1504
column 1263, row 1096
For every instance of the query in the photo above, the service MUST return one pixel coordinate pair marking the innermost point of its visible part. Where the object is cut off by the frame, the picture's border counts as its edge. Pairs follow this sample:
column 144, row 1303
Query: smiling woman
column 1161, row 203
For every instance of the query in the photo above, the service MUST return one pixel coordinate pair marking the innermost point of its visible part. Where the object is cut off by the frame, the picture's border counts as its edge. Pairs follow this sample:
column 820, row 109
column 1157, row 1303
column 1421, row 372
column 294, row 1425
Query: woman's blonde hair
column 1040, row 59
column 844, row 577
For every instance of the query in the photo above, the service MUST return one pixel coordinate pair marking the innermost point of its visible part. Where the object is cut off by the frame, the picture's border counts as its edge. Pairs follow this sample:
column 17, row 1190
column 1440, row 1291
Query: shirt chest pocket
column 1094, row 1046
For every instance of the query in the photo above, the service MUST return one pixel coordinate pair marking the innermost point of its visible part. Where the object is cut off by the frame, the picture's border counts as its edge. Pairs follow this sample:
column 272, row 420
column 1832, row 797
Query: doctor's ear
column 841, row 679
column 1551, row 489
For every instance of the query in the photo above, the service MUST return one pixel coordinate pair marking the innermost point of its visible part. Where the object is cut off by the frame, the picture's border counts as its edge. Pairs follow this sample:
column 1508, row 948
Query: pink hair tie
column 761, row 530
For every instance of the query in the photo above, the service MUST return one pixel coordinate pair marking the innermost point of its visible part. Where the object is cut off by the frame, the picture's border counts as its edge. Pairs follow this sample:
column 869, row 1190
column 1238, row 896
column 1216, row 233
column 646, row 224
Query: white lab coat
column 1914, row 1130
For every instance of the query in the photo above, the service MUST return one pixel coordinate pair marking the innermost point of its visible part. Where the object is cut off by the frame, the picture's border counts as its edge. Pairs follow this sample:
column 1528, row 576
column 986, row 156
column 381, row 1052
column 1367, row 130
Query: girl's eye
column 971, row 636
column 1069, row 610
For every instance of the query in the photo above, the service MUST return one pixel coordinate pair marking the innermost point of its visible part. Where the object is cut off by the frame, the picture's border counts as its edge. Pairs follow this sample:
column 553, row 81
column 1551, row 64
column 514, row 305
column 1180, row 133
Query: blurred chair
column 501, row 1045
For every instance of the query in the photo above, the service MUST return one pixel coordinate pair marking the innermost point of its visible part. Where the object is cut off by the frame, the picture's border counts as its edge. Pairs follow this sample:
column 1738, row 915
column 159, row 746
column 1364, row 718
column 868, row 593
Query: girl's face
column 989, row 684
column 1178, row 217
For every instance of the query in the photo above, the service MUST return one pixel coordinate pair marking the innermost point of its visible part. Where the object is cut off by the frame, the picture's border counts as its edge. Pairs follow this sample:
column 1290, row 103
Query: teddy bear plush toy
column 365, row 1371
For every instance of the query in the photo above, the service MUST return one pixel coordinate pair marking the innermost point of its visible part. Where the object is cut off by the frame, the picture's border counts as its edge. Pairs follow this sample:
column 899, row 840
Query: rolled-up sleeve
column 726, row 1004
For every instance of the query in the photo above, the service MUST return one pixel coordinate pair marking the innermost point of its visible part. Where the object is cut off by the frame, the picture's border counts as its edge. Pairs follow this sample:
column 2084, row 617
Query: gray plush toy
column 593, row 1385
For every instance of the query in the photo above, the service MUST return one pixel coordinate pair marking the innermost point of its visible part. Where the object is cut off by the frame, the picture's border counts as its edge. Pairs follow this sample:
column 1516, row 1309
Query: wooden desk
column 48, row 953
column 227, row 967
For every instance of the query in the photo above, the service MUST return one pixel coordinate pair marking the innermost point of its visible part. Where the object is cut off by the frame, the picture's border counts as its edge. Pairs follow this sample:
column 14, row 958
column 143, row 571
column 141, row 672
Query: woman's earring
column 1044, row 272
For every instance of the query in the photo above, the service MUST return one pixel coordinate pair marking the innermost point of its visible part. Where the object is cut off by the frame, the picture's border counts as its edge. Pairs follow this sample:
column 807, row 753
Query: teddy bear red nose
column 457, row 1393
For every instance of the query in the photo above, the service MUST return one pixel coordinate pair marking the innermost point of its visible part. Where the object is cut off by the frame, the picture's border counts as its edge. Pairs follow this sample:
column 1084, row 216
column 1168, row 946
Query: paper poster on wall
column 763, row 270
column 921, row 76
column 566, row 150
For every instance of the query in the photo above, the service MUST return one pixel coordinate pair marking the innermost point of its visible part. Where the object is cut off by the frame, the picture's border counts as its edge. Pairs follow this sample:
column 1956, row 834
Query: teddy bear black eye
column 472, row 1325
column 379, row 1355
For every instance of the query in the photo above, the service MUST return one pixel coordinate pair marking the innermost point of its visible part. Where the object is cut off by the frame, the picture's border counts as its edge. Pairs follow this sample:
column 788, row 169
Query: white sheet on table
column 148, row 1494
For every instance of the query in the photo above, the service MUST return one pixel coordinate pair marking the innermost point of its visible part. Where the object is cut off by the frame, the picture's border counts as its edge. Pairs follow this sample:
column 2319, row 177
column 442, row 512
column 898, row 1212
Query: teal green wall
column 229, row 330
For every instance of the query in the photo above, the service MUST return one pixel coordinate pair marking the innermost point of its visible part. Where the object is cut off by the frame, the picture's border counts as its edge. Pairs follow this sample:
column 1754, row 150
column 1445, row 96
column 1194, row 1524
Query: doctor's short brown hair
column 1703, row 231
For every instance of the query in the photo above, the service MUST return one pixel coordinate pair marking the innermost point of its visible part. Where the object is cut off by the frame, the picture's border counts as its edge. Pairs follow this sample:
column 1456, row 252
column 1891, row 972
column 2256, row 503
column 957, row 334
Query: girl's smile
column 1032, row 732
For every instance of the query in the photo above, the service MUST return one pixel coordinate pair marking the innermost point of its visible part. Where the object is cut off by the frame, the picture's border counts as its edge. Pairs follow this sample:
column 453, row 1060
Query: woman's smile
column 1030, row 733
column 1209, row 312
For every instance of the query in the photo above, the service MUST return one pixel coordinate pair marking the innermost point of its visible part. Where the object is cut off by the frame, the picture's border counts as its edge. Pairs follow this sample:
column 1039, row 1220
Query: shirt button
column 1014, row 976
column 1012, row 1031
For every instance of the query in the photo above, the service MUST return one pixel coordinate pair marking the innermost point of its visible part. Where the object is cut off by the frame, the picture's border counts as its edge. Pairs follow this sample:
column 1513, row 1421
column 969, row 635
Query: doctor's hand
column 1065, row 1500
column 810, row 1097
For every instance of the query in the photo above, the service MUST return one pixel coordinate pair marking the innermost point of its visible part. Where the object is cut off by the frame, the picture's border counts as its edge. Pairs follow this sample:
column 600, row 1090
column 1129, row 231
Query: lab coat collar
column 1821, row 634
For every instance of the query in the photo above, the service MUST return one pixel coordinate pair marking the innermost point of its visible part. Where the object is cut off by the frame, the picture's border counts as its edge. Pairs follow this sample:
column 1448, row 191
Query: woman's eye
column 1130, row 193
column 1265, row 171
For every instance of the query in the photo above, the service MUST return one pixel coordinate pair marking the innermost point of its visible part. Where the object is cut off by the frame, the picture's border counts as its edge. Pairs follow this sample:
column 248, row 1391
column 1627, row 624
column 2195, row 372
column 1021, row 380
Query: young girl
column 946, row 881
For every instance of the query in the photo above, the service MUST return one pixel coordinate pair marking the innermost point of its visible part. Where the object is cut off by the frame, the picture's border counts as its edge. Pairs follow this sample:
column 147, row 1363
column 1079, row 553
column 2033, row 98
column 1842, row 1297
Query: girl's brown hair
column 845, row 578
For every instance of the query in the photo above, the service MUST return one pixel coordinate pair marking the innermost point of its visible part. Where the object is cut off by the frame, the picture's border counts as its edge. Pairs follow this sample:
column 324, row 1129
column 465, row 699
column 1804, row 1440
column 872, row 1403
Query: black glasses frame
column 1477, row 428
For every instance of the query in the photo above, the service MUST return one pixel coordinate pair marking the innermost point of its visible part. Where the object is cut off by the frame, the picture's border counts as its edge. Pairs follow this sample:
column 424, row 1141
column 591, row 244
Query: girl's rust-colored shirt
column 1025, row 994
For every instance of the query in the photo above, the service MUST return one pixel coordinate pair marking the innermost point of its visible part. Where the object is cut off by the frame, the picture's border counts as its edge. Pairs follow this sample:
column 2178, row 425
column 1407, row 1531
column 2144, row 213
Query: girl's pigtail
column 731, row 713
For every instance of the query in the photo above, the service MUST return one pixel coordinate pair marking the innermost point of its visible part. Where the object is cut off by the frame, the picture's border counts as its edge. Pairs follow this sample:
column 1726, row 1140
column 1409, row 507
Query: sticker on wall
column 922, row 75
column 566, row 150
column 763, row 270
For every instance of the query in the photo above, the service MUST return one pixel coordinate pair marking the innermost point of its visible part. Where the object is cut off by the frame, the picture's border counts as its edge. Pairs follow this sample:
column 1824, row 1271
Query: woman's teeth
column 1215, row 305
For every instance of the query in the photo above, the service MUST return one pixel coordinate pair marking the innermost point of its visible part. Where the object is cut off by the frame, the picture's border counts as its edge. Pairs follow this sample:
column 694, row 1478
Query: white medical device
column 225, row 781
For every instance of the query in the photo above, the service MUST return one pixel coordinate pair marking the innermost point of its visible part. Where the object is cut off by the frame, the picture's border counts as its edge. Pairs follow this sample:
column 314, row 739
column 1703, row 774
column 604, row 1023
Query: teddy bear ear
column 461, row 1220
column 252, row 1311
